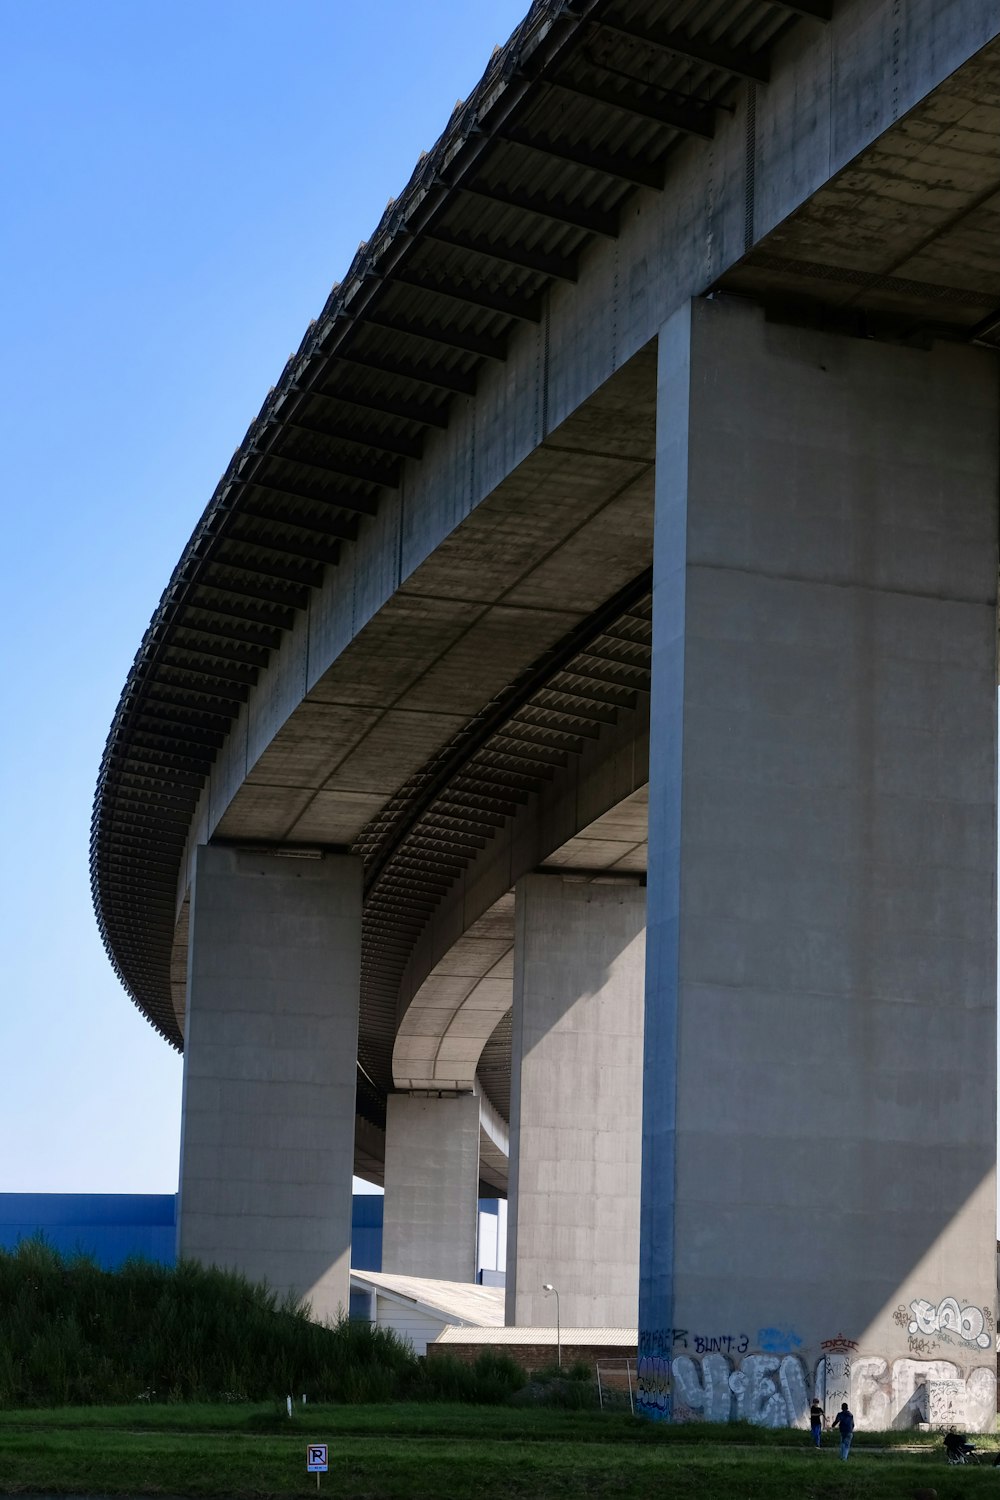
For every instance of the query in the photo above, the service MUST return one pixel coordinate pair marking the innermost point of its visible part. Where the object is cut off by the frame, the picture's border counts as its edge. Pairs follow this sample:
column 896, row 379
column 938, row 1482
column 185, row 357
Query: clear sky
column 182, row 182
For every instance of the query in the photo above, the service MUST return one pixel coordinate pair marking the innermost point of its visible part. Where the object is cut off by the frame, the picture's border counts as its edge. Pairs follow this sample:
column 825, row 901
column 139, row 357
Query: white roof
column 612, row 1338
column 456, row 1302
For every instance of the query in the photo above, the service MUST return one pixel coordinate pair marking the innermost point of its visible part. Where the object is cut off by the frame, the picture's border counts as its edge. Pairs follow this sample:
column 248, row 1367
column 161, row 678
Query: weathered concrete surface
column 908, row 228
column 267, row 1143
column 431, row 1186
column 573, row 1217
column 819, row 1128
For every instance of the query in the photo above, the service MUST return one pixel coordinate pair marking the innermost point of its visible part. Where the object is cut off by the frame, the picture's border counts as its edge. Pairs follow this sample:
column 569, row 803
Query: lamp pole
column 548, row 1287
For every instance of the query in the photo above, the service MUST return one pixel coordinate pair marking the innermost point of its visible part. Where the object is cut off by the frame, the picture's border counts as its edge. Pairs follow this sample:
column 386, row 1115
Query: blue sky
column 181, row 185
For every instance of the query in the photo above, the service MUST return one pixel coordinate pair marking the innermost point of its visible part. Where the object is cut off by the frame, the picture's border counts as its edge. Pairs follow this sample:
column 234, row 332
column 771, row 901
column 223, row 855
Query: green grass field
column 75, row 1334
column 439, row 1452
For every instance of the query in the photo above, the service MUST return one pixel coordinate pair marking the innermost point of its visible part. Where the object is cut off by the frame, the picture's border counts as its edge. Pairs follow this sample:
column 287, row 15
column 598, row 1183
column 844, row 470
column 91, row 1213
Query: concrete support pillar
column 819, row 1205
column 573, row 1208
column 431, row 1186
column 270, row 1058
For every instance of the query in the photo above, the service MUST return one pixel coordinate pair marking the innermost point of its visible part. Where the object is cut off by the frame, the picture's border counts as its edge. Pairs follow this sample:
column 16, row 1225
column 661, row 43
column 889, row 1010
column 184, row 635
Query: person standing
column 845, row 1421
column 817, row 1418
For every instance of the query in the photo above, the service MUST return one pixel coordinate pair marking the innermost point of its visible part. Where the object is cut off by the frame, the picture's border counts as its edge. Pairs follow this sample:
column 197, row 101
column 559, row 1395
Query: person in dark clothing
column 817, row 1419
column 957, row 1446
column 845, row 1421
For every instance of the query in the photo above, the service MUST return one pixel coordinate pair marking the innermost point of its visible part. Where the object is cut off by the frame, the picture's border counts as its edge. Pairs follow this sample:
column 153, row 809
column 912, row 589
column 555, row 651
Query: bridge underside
column 900, row 245
column 729, row 619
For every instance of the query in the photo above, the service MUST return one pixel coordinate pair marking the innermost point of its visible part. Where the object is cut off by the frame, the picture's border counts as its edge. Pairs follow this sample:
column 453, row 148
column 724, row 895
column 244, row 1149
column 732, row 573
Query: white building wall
column 492, row 1248
column 410, row 1323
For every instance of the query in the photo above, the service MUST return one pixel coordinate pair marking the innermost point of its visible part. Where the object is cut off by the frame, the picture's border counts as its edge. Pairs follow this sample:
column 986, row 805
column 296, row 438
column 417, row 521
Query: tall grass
column 72, row 1333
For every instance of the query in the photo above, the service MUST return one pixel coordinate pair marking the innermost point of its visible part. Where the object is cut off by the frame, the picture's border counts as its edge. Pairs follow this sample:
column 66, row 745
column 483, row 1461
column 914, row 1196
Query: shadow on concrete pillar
column 820, row 1061
column 573, row 1218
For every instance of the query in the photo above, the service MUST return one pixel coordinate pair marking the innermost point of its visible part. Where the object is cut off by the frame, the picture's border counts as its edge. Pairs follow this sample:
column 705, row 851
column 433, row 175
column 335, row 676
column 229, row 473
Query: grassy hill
column 74, row 1334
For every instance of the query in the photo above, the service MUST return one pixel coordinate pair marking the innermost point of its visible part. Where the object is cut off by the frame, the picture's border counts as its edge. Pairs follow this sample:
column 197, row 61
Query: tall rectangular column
column 431, row 1186
column 576, row 1068
column 819, row 1205
column 270, row 1060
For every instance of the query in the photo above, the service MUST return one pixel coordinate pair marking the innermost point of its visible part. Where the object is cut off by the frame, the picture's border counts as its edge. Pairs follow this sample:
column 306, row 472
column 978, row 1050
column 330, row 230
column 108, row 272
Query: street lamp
column 548, row 1287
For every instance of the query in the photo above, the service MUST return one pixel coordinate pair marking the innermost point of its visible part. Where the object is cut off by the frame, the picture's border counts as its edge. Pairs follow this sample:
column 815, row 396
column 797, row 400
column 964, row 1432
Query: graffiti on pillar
column 981, row 1399
column 906, row 1391
column 949, row 1320
column 703, row 1390
column 834, row 1381
column 922, row 1346
column 871, row 1393
column 771, row 1392
column 839, row 1345
column 653, row 1370
column 946, row 1402
column 778, row 1340
column 765, row 1389
column 774, row 1391
column 653, row 1385
column 720, row 1343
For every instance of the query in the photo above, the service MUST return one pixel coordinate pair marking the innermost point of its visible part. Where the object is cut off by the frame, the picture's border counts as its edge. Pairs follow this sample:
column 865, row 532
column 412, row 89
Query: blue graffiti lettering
column 778, row 1340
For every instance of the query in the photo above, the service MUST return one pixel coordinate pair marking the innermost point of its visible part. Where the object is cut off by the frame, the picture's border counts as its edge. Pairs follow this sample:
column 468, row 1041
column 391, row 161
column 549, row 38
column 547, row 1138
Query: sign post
column 317, row 1461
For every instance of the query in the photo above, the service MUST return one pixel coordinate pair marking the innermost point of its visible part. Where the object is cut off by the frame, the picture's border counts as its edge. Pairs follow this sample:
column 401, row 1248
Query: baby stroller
column 958, row 1449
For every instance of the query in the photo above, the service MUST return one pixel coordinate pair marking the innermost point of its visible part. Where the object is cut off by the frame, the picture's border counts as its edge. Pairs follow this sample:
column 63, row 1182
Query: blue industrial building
column 366, row 1231
column 110, row 1227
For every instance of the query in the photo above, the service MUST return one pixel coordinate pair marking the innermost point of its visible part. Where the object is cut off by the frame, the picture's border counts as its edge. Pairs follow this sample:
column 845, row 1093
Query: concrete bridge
column 564, row 757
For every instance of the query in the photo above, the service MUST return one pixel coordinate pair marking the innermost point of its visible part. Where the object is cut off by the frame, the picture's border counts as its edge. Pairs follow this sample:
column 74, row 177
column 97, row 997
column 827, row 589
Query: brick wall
column 537, row 1356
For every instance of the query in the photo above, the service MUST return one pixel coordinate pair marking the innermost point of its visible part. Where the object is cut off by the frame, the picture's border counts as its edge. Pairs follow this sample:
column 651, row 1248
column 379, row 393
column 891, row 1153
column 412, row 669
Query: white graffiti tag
column 707, row 1395
column 773, row 1390
column 948, row 1317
